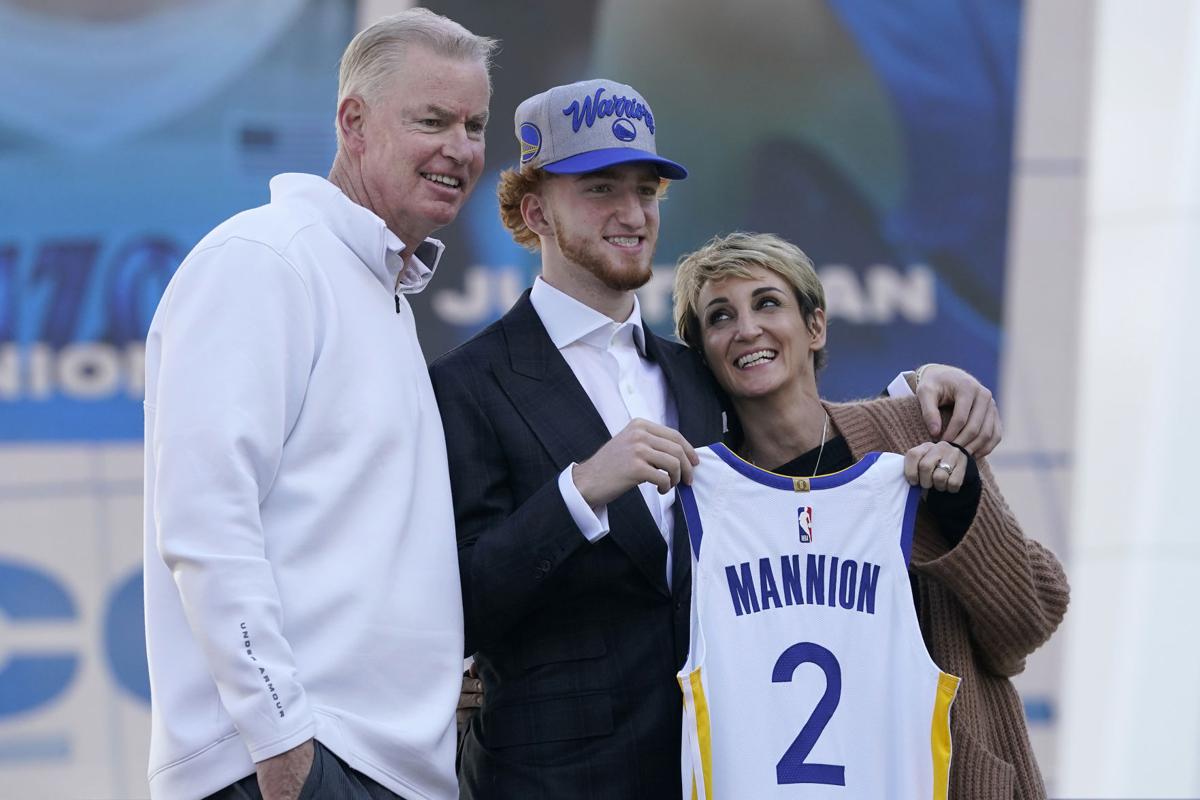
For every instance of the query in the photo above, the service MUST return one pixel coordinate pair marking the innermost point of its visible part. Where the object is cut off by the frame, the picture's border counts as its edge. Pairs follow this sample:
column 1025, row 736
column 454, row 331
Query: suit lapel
column 698, row 412
column 545, row 392
column 696, row 402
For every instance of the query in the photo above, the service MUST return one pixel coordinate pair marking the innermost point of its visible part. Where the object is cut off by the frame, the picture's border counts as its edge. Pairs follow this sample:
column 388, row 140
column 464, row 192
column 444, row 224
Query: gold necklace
column 816, row 467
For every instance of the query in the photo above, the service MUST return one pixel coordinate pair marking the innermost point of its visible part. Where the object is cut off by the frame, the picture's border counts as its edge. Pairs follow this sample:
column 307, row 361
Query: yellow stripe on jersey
column 689, row 716
column 939, row 737
column 703, row 730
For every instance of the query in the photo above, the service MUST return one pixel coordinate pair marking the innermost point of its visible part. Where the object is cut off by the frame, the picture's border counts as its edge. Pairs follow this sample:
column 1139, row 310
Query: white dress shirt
column 899, row 387
column 609, row 361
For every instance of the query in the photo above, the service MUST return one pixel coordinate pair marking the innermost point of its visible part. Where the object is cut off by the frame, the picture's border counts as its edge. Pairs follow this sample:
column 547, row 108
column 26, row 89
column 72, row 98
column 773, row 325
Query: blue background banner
column 878, row 137
column 149, row 131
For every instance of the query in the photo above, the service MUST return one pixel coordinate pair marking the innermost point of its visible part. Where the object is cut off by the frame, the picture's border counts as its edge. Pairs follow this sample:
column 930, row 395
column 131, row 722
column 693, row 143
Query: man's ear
column 351, row 116
column 533, row 211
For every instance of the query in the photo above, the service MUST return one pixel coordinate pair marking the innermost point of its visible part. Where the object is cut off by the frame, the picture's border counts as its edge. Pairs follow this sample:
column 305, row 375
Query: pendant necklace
column 820, row 452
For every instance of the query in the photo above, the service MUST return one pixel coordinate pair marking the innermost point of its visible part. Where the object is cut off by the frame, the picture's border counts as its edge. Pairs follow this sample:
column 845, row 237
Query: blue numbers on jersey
column 792, row 768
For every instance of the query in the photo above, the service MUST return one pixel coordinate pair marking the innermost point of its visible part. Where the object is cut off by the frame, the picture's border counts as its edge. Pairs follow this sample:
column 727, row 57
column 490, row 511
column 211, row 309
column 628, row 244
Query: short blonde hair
column 733, row 256
column 375, row 54
column 514, row 185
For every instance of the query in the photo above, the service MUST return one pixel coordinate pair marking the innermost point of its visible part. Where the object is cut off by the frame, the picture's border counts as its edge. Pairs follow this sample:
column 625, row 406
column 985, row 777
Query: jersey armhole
column 909, row 524
column 691, row 516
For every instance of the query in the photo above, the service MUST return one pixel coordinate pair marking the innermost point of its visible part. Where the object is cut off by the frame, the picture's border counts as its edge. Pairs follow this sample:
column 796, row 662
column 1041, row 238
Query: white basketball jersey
column 807, row 675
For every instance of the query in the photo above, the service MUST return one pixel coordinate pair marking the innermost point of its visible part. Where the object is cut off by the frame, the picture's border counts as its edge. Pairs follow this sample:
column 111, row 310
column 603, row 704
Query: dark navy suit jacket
column 577, row 644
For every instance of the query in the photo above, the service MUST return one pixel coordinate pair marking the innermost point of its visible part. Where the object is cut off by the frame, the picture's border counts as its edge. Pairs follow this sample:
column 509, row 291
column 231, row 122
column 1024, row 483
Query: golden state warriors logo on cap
column 531, row 142
column 623, row 129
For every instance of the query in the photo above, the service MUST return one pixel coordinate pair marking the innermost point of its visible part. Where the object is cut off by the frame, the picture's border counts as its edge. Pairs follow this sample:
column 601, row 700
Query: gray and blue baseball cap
column 590, row 125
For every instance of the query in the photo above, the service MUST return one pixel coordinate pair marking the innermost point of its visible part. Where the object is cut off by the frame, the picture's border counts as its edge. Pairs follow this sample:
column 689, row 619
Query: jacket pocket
column 556, row 719
column 978, row 774
column 566, row 646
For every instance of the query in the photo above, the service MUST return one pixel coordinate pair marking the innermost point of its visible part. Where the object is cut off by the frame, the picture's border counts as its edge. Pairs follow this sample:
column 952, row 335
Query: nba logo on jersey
column 804, row 519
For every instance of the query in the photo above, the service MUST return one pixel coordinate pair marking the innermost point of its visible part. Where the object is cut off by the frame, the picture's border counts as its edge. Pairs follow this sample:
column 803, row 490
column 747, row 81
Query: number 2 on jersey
column 792, row 768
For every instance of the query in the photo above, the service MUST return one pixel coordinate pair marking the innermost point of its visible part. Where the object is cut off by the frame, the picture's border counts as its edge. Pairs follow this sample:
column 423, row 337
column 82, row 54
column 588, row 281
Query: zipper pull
column 397, row 303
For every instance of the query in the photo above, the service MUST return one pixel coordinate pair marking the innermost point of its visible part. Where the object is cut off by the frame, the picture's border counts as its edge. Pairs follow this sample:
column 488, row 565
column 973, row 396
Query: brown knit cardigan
column 984, row 605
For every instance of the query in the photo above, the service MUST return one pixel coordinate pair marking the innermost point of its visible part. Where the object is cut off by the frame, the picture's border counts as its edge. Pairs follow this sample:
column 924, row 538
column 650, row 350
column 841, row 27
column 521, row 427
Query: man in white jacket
column 303, row 613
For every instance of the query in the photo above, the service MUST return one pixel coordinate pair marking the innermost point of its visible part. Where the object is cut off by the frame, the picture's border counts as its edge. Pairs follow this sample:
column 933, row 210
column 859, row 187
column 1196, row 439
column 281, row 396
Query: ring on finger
column 945, row 466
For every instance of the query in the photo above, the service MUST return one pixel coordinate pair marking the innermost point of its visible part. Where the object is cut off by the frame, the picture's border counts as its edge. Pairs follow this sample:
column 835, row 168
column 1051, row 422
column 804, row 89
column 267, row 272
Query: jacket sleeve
column 236, row 337
column 507, row 551
column 1013, row 589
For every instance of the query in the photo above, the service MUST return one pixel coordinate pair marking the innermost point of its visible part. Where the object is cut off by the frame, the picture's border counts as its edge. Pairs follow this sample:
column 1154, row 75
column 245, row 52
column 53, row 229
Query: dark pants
column 329, row 779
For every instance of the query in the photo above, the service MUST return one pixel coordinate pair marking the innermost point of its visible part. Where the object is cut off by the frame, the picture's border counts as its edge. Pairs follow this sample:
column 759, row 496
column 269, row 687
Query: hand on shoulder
column 974, row 421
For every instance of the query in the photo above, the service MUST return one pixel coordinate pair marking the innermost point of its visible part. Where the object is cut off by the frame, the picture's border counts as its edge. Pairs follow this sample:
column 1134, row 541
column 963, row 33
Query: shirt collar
column 568, row 321
column 411, row 276
column 362, row 231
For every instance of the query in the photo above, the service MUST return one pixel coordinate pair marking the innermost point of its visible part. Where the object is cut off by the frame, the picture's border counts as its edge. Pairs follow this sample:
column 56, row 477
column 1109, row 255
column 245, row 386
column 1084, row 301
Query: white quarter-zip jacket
column 301, row 572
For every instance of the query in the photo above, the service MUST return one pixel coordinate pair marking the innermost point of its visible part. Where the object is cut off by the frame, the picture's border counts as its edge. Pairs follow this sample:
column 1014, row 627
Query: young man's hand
column 974, row 421
column 643, row 452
